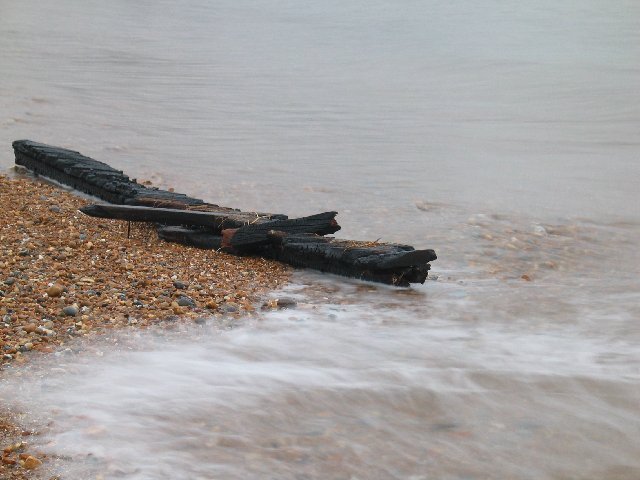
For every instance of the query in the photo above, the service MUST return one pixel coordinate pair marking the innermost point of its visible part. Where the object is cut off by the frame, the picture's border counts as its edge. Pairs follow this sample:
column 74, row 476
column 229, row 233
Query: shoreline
column 64, row 275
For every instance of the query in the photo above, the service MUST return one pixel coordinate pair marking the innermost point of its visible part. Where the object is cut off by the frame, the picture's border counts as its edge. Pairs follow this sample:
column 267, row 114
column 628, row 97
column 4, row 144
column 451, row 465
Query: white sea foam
column 347, row 390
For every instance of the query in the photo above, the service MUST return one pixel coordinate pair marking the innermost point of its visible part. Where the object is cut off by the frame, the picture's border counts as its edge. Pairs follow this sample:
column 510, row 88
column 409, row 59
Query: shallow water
column 503, row 136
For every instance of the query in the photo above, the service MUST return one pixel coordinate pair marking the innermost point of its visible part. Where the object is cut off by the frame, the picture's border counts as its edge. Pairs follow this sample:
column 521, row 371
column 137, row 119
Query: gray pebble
column 286, row 302
column 185, row 301
column 70, row 310
column 55, row 208
column 180, row 285
column 10, row 281
column 228, row 308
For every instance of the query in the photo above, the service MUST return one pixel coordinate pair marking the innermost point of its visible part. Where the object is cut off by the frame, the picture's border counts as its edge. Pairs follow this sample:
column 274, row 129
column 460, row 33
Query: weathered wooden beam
column 100, row 180
column 191, row 221
column 256, row 235
column 86, row 174
column 215, row 221
column 191, row 237
column 393, row 264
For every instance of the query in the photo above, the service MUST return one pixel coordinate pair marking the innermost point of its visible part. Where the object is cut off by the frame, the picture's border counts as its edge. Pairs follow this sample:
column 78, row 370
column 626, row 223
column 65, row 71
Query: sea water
column 504, row 135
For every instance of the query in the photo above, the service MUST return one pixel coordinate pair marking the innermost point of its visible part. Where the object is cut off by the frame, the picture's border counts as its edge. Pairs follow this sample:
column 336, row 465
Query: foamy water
column 503, row 136
column 468, row 376
column 355, row 395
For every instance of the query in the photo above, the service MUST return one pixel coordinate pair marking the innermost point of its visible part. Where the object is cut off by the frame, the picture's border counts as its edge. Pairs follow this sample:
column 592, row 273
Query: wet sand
column 64, row 275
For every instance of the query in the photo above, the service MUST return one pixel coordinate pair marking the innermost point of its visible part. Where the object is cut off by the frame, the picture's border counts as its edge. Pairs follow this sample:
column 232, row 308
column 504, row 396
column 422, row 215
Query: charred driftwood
column 191, row 221
column 192, row 237
column 100, row 180
column 251, row 237
column 88, row 175
column 389, row 263
column 393, row 264
column 241, row 231
column 216, row 221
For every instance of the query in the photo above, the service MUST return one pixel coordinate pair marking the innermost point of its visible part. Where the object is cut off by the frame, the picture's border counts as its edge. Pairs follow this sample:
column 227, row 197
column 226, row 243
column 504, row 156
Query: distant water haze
column 493, row 105
column 505, row 135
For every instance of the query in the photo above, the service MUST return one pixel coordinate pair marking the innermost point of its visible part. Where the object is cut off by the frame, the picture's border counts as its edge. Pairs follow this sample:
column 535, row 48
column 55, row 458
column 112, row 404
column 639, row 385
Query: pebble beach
column 64, row 275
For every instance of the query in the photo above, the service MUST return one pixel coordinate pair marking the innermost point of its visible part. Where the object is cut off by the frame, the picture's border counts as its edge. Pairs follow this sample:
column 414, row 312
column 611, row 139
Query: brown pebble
column 31, row 463
column 30, row 328
column 55, row 290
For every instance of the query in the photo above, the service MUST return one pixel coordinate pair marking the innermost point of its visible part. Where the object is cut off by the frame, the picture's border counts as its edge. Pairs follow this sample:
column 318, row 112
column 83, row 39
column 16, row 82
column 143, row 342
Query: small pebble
column 228, row 308
column 31, row 463
column 286, row 302
column 180, row 285
column 70, row 310
column 30, row 328
column 55, row 290
column 185, row 301
column 10, row 281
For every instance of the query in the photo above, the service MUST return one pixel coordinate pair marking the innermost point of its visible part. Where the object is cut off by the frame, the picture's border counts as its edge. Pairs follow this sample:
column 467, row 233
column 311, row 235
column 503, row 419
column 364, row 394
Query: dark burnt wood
column 96, row 178
column 393, row 264
column 215, row 221
column 191, row 221
column 191, row 237
column 250, row 237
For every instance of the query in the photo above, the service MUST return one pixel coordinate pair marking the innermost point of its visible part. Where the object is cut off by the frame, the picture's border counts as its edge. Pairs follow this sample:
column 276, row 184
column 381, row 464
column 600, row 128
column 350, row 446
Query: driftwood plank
column 256, row 235
column 394, row 264
column 191, row 237
column 100, row 180
column 191, row 221
column 216, row 221
column 400, row 259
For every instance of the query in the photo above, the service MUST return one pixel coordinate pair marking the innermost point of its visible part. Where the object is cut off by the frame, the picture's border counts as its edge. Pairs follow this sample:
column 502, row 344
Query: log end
column 93, row 210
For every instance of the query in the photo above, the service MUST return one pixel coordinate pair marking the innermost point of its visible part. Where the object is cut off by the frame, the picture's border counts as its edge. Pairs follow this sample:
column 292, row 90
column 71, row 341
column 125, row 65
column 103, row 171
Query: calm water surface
column 503, row 135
